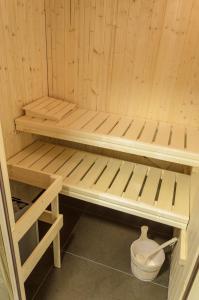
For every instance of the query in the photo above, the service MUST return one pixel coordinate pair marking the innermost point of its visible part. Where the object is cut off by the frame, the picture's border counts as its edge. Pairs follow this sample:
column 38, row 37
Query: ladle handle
column 144, row 230
column 170, row 242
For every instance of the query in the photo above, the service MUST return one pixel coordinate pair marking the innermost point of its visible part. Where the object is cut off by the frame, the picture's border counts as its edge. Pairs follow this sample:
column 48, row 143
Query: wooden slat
column 40, row 249
column 25, row 152
column 181, row 204
column 119, row 183
column 33, row 213
column 108, row 175
column 81, row 170
column 53, row 103
column 34, row 121
column 163, row 134
column 27, row 176
column 149, row 132
column 135, row 129
column 47, row 217
column 94, row 173
column 82, row 121
column 135, row 184
column 178, row 137
column 108, row 125
column 151, row 186
column 59, row 107
column 71, row 164
column 74, row 115
column 121, row 127
column 96, row 122
column 44, row 101
column 166, row 194
column 45, row 160
column 65, row 110
column 33, row 103
column 40, row 109
column 192, row 139
column 28, row 161
column 58, row 162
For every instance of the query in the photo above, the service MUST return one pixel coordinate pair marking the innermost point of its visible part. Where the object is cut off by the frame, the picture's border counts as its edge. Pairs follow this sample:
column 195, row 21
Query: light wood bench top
column 144, row 191
column 169, row 142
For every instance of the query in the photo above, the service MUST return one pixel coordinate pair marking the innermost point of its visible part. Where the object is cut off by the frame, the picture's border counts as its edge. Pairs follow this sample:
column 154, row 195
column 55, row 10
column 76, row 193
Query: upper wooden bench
column 169, row 142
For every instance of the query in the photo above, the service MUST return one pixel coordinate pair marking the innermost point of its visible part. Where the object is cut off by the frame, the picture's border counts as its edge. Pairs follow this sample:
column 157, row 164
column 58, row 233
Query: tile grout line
column 109, row 267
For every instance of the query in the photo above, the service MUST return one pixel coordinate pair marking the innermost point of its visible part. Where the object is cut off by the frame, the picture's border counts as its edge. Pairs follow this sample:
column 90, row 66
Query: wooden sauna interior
column 124, row 58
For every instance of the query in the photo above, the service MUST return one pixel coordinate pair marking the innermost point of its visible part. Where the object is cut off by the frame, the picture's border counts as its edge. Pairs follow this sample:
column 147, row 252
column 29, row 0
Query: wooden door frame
column 6, row 222
column 7, row 240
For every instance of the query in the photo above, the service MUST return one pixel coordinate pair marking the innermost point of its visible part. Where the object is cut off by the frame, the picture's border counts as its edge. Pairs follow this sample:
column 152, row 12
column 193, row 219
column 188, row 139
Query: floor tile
column 82, row 280
column 109, row 243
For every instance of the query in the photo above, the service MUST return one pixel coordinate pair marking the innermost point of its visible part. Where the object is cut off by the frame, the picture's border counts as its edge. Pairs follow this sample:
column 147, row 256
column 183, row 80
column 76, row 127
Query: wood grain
column 134, row 57
column 23, row 65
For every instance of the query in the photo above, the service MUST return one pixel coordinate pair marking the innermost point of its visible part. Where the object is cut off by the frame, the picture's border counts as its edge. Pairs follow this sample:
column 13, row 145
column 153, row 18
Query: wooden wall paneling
column 171, row 55
column 118, row 78
column 136, row 57
column 69, row 50
column 132, row 57
column 58, row 47
column 22, row 64
column 190, row 68
column 48, row 25
column 127, row 64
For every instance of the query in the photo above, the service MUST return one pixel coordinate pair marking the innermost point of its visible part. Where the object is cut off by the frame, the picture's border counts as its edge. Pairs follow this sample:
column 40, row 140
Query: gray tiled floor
column 108, row 243
column 80, row 279
column 96, row 265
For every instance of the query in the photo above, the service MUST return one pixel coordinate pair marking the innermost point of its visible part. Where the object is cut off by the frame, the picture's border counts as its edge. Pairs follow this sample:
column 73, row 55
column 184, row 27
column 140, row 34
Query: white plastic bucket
column 144, row 246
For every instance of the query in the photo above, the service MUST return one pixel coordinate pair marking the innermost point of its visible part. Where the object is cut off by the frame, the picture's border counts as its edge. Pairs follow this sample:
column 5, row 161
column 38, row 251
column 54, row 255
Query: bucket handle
column 144, row 230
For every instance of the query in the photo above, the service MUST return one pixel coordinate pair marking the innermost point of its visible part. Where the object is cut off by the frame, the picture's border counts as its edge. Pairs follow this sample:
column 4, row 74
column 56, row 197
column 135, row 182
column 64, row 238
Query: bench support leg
column 181, row 234
column 56, row 242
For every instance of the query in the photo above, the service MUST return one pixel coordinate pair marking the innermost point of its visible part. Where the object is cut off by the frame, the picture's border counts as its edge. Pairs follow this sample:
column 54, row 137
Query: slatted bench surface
column 140, row 190
column 48, row 108
column 158, row 140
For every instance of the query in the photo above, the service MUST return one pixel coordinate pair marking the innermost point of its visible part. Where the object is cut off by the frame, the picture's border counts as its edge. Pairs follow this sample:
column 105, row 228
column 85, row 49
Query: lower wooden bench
column 148, row 192
column 144, row 191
